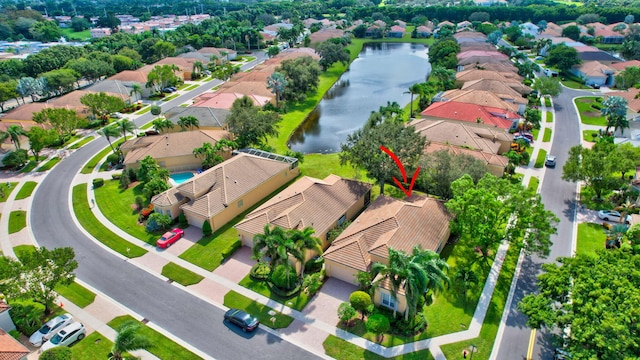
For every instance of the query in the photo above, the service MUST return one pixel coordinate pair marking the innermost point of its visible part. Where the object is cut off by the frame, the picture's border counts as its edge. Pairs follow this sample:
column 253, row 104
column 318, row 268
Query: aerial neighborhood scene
column 307, row 179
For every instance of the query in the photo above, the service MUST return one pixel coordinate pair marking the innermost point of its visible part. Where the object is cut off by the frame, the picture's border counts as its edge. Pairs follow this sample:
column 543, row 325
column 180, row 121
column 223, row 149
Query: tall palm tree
column 128, row 339
column 136, row 91
column 3, row 136
column 126, row 126
column 413, row 90
column 14, row 132
column 109, row 132
column 161, row 124
column 268, row 244
column 188, row 122
column 198, row 68
column 304, row 241
column 209, row 155
column 276, row 82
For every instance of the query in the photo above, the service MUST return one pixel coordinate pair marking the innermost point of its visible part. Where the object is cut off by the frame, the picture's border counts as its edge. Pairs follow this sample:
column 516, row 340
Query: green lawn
column 94, row 227
column 548, row 116
column 161, row 346
column 588, row 114
column 88, row 168
column 591, row 237
column 118, row 206
column 192, row 87
column 29, row 167
column 343, row 350
column 321, row 165
column 82, row 142
column 533, row 183
column 542, row 156
column 587, row 135
column 547, row 101
column 69, row 34
column 235, row 300
column 547, row 135
column 297, row 302
column 22, row 250
column 144, row 110
column 76, row 293
column 5, row 190
column 169, row 98
column 49, row 164
column 17, row 221
column 573, row 84
column 181, row 275
column 535, row 133
column 94, row 346
column 26, row 190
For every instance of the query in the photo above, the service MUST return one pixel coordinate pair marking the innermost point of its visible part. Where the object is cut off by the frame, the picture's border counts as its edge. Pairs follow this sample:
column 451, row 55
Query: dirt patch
column 592, row 114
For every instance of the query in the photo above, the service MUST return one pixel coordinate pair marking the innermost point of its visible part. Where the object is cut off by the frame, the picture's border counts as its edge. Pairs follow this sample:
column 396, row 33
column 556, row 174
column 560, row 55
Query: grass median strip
column 542, row 156
column 49, row 164
column 76, row 293
column 17, row 221
column 26, row 190
column 191, row 87
column 181, row 275
column 144, row 110
column 548, row 116
column 88, row 168
column 82, row 142
column 161, row 346
column 234, row 300
column 94, row 227
column 533, row 183
column 6, row 189
column 169, row 98
column 547, row 135
column 343, row 350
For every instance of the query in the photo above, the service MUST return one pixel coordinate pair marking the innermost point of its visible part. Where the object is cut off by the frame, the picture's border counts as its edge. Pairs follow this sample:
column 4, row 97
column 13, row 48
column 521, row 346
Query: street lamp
column 473, row 349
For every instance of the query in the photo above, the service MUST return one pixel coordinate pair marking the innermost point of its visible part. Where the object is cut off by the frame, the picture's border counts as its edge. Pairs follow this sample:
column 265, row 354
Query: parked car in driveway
column 241, row 319
column 612, row 215
column 49, row 329
column 169, row 238
column 66, row 336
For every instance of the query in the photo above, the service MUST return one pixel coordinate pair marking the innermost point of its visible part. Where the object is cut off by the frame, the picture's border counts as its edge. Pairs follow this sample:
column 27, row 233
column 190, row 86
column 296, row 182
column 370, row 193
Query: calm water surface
column 383, row 72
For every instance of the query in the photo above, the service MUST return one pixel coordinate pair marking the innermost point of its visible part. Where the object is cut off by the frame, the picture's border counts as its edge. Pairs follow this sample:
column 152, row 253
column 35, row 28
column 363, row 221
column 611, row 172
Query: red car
column 169, row 238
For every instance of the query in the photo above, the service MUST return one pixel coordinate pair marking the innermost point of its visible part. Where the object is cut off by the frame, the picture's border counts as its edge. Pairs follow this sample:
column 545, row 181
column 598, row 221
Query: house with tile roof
column 608, row 36
column 209, row 118
column 309, row 202
column 226, row 190
column 6, row 323
column 484, row 98
column 510, row 88
column 591, row 53
column 632, row 95
column 387, row 223
column 623, row 65
column 500, row 67
column 472, row 113
column 11, row 349
column 117, row 88
column 223, row 98
column 424, row 31
column 173, row 151
column 219, row 53
column 594, row 73
column 395, row 32
column 477, row 74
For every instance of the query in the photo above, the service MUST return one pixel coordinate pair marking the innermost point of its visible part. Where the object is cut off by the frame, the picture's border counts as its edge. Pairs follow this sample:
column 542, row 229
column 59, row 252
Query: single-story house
column 463, row 25
column 477, row 74
column 424, row 32
column 11, row 349
column 224, row 98
column 396, row 32
column 209, row 118
column 226, row 190
column 222, row 54
column 594, row 73
column 6, row 323
column 173, row 151
column 325, row 34
column 623, row 65
column 387, row 223
column 118, row 88
column 608, row 36
column 484, row 98
column 374, row 31
column 320, row 204
column 472, row 113
column 590, row 53
column 632, row 95
column 510, row 88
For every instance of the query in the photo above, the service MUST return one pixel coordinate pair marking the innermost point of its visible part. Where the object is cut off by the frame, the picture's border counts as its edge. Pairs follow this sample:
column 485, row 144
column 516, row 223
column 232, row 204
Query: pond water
column 382, row 72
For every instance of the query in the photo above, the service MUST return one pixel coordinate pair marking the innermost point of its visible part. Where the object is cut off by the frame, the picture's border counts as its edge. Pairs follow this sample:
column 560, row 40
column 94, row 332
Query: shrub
column 260, row 271
column 124, row 182
column 182, row 221
column 98, row 182
column 312, row 283
column 15, row 334
column 206, row 228
column 226, row 253
column 161, row 221
column 116, row 176
column 346, row 312
column 26, row 315
column 364, row 279
column 284, row 277
column 139, row 202
column 156, row 110
column 147, row 211
column 360, row 301
column 378, row 324
column 56, row 353
column 285, row 294
column 131, row 173
column 152, row 225
column 15, row 159
column 314, row 265
column 113, row 158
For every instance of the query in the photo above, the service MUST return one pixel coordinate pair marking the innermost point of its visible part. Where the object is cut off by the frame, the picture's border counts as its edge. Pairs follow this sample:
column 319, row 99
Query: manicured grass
column 17, row 221
column 49, row 164
column 94, row 346
column 161, row 346
column 144, row 110
column 5, row 190
column 590, row 201
column 69, row 34
column 548, row 116
column 147, row 126
column 76, row 293
column 88, row 168
column 118, row 206
column 343, row 350
column 181, row 275
column 233, row 299
column 22, row 250
column 589, row 115
column 547, row 135
column 297, row 302
column 94, row 227
column 26, row 190
column 168, row 98
column 80, row 143
column 574, row 84
column 321, row 165
column 533, row 183
column 29, row 167
column 587, row 135
column 192, row 87
column 535, row 133
column 547, row 101
column 591, row 237
column 542, row 156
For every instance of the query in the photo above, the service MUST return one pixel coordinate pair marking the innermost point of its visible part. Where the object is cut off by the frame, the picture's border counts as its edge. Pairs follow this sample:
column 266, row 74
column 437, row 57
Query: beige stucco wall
column 339, row 271
column 401, row 300
column 173, row 211
column 496, row 170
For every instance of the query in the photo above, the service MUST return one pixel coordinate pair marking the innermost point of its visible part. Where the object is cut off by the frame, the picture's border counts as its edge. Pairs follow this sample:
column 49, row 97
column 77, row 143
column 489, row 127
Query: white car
column 49, row 329
column 613, row 216
column 65, row 337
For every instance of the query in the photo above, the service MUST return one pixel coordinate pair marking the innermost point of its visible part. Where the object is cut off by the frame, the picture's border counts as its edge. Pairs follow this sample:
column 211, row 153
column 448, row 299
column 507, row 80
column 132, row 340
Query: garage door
column 195, row 221
column 340, row 272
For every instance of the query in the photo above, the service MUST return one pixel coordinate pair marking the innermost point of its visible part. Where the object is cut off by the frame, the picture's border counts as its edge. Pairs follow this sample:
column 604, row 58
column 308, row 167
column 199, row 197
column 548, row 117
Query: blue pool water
column 179, row 178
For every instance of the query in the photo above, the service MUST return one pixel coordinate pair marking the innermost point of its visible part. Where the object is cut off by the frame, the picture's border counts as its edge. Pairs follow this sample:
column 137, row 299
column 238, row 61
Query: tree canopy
column 563, row 57
column 302, row 76
column 251, row 125
column 330, row 53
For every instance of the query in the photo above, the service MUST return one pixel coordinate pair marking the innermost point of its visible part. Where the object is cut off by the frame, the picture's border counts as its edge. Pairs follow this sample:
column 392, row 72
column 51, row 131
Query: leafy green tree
column 109, row 132
column 155, row 110
column 80, row 23
column 513, row 33
column 494, row 37
column 362, row 148
column 209, row 154
column 302, row 75
column 128, row 339
column 162, row 220
column 91, row 69
column 60, row 81
column 161, row 76
column 346, row 312
column 378, row 324
column 563, row 57
column 39, row 138
column 284, row 276
column 37, row 274
column 624, row 159
column 63, row 121
column 276, row 82
column 440, row 79
column 188, row 122
column 101, row 104
column 593, row 296
column 7, row 92
column 277, row 245
column 304, row 241
column 532, row 118
column 440, row 169
column 28, row 86
column 251, row 125
column 414, row 89
column 572, row 32
column 615, row 109
column 628, row 77
column 508, row 212
column 361, row 301
column 14, row 132
column 443, row 53
column 156, row 185
column 466, row 279
column 51, row 59
column 331, row 53
column 273, row 50
column 45, row 31
column 547, row 85
column 591, row 166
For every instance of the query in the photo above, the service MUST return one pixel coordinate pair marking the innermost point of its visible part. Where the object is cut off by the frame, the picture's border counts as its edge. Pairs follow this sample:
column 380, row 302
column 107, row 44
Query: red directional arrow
column 404, row 173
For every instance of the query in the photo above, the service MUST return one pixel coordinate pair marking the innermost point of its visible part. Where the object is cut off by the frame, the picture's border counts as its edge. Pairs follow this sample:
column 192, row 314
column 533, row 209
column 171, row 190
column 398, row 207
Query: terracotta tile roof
column 137, row 76
column 445, row 23
column 478, row 59
column 481, row 53
column 72, row 99
column 389, row 222
column 10, row 348
column 397, row 28
column 487, row 158
column 454, row 110
column 224, row 97
column 472, row 45
column 470, row 36
column 168, row 198
column 215, row 51
column 225, row 183
column 324, row 34
column 510, row 88
column 197, row 56
column 485, row 98
column 500, row 66
column 632, row 96
column 25, row 112
column 594, row 68
column 169, row 145
column 461, row 134
column 620, row 66
column 307, row 202
column 424, row 29
column 607, row 33
column 476, row 74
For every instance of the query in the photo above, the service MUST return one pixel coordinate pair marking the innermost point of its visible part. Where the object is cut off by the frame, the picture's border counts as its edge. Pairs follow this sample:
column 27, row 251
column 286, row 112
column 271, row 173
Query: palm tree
column 126, row 126
column 109, row 132
column 136, row 91
column 466, row 278
column 268, row 244
column 188, row 122
column 413, row 90
column 14, row 132
column 197, row 69
column 160, row 124
column 277, row 82
column 304, row 241
column 209, row 155
column 128, row 339
column 3, row 136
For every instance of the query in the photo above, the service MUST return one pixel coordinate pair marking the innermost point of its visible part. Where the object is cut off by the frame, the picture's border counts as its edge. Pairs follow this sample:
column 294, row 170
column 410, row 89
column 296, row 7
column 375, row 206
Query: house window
column 240, row 203
column 389, row 301
column 342, row 219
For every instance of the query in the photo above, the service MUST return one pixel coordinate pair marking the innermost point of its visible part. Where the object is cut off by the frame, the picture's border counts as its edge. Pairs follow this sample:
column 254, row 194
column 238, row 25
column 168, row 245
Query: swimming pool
column 179, row 178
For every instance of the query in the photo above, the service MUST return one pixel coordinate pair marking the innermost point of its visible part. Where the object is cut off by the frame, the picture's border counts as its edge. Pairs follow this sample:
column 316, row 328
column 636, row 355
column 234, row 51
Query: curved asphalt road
column 558, row 196
column 185, row 316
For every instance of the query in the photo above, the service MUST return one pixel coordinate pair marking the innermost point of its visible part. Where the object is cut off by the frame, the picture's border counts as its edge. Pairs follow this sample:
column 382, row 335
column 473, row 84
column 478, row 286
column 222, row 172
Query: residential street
column 558, row 196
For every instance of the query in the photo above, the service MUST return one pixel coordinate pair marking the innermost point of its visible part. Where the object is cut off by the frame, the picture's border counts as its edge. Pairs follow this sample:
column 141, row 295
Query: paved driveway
column 324, row 305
